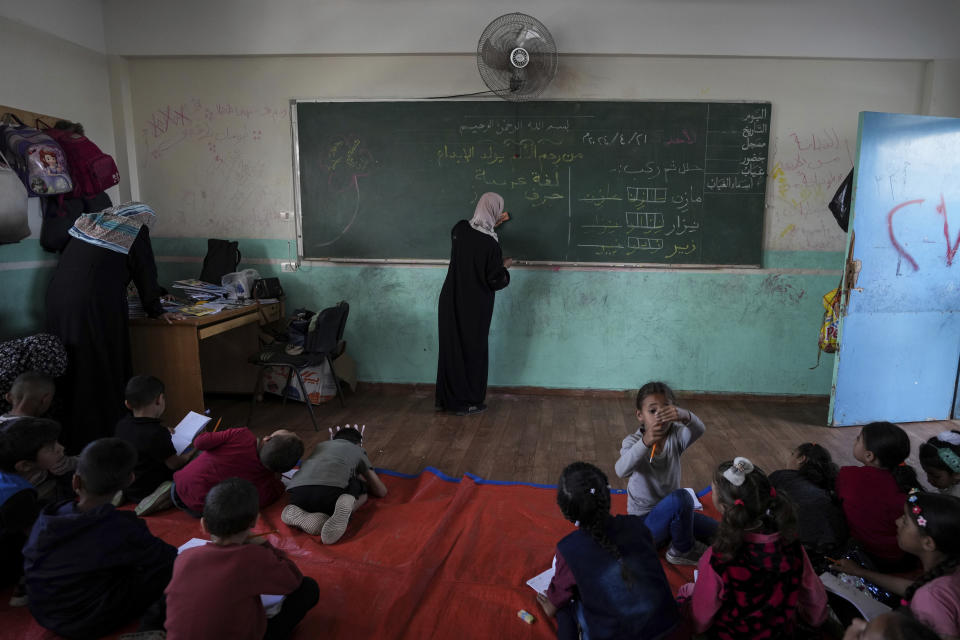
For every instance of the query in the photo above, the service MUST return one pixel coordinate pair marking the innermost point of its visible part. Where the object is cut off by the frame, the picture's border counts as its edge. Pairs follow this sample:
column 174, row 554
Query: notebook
column 845, row 587
column 539, row 583
column 187, row 430
column 271, row 603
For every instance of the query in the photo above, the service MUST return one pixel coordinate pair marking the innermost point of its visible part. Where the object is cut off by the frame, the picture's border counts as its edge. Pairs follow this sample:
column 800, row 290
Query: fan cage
column 498, row 43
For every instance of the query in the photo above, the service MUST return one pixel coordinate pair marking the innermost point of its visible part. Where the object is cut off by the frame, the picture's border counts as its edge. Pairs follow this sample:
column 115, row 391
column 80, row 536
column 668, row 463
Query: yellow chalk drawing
column 789, row 228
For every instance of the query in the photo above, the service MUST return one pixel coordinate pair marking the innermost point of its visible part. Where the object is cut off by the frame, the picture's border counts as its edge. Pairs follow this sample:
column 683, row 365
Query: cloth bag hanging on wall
column 14, row 225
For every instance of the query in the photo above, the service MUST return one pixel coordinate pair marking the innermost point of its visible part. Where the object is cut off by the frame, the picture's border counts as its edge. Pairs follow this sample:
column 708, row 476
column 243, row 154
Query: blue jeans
column 674, row 519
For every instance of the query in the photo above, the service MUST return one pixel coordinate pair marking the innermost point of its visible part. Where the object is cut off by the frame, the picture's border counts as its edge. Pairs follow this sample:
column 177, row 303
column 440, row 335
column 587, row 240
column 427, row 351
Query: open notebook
column 271, row 603
column 845, row 587
column 187, row 430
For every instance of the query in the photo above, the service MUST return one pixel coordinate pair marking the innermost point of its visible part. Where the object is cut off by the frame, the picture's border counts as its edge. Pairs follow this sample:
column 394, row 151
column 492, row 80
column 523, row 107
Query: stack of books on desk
column 199, row 290
column 202, row 309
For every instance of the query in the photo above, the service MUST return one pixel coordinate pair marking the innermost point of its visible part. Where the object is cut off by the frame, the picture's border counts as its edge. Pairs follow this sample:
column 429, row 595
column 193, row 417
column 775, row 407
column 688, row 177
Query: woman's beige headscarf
column 487, row 213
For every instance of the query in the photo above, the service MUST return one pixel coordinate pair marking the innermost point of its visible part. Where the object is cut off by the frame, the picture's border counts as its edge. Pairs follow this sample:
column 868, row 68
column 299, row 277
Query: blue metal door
column 899, row 337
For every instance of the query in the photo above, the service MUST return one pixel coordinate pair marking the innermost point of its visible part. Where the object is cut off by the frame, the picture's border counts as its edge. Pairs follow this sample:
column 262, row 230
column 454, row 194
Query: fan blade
column 495, row 57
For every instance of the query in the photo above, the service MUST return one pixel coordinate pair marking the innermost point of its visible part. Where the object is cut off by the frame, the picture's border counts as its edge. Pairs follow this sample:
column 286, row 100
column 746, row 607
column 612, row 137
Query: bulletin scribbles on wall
column 217, row 156
column 806, row 170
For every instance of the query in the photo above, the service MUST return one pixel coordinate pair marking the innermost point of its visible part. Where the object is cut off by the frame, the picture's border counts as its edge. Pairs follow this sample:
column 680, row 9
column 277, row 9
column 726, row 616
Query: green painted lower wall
column 744, row 331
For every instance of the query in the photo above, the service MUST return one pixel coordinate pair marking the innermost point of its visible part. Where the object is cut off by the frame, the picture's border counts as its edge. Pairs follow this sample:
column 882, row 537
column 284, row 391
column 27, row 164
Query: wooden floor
column 530, row 438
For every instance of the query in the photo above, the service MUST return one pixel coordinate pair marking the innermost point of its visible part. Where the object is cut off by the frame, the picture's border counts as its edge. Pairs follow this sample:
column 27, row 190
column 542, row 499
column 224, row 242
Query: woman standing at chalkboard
column 477, row 271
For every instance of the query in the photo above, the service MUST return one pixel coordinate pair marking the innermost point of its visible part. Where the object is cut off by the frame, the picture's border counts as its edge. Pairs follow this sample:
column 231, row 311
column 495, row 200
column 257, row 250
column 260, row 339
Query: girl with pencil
column 650, row 457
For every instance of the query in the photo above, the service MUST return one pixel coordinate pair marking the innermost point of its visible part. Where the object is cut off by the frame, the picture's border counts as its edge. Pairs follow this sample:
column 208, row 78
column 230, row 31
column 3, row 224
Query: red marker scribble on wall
column 893, row 238
column 951, row 250
column 942, row 210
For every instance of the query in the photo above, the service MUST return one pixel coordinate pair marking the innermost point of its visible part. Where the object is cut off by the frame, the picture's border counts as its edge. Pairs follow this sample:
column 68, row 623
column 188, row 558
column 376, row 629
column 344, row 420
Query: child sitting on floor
column 215, row 590
column 756, row 575
column 330, row 485
column 89, row 567
column 872, row 496
column 940, row 460
column 31, row 395
column 156, row 457
column 26, row 446
column 929, row 528
column 608, row 581
column 809, row 485
column 236, row 453
column 651, row 459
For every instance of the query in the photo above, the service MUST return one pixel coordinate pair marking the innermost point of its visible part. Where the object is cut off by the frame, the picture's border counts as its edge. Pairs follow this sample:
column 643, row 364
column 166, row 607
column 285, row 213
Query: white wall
column 77, row 21
column 214, row 146
column 872, row 29
column 46, row 74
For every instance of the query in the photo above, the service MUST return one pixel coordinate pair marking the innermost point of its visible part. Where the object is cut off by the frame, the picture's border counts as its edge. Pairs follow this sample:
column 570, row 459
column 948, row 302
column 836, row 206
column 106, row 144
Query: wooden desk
column 198, row 355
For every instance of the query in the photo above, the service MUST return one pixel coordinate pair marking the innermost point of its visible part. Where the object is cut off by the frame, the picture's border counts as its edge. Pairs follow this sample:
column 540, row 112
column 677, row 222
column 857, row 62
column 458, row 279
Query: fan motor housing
column 519, row 57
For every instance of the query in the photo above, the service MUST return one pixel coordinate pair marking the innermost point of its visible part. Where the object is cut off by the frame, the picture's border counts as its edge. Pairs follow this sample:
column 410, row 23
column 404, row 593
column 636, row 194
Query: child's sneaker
column 691, row 557
column 19, row 596
column 308, row 522
column 157, row 501
column 335, row 527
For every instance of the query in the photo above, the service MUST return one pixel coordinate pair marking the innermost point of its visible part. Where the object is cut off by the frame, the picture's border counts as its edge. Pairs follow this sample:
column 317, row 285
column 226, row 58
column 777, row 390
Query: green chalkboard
column 588, row 181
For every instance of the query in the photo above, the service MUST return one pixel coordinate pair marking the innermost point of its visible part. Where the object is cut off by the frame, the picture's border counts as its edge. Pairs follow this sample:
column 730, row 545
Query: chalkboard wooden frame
column 741, row 138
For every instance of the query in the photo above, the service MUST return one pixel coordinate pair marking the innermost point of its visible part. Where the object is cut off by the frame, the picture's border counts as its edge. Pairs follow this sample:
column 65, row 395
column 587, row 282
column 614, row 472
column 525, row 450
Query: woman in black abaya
column 87, row 310
column 477, row 271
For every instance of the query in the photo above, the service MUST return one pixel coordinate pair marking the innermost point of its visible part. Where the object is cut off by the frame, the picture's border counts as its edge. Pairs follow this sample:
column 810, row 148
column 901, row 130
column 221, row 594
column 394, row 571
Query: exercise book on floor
column 187, row 430
column 539, row 583
column 271, row 603
column 844, row 586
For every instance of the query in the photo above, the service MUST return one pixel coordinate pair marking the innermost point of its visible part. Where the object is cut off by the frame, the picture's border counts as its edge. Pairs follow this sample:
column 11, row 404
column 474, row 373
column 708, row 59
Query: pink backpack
column 91, row 169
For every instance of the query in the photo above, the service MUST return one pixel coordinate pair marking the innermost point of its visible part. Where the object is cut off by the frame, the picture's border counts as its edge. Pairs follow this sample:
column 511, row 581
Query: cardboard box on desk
column 318, row 380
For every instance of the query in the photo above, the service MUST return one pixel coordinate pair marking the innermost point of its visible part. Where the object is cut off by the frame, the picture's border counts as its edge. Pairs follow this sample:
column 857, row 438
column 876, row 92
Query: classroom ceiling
column 860, row 29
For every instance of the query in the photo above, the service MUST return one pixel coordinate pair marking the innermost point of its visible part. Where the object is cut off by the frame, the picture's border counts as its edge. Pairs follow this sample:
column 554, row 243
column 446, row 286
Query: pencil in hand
column 653, row 451
column 217, row 426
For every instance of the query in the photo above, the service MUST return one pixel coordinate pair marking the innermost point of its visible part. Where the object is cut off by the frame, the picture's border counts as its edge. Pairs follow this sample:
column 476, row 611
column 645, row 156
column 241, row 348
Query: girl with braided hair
column 872, row 495
column 755, row 581
column 940, row 459
column 608, row 581
column 929, row 528
column 809, row 484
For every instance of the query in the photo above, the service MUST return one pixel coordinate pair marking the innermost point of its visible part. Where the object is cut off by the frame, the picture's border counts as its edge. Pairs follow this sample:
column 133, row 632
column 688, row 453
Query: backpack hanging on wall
column 36, row 157
column 91, row 170
column 222, row 258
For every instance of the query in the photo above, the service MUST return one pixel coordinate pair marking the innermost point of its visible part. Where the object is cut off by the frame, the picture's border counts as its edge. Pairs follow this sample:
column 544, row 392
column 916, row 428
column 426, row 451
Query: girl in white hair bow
column 940, row 459
column 755, row 581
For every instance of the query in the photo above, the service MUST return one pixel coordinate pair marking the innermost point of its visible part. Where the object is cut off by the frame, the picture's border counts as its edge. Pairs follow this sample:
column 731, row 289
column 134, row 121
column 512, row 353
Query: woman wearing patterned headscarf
column 87, row 310
column 477, row 271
